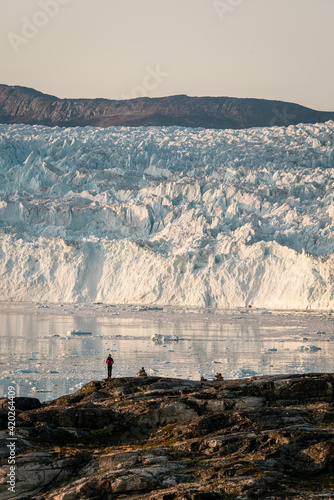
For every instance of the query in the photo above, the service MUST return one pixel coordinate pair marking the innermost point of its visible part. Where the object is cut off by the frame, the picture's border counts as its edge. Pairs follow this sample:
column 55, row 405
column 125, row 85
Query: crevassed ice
column 168, row 215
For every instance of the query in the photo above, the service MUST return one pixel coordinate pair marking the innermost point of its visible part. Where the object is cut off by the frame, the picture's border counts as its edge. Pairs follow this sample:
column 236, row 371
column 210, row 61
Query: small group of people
column 110, row 362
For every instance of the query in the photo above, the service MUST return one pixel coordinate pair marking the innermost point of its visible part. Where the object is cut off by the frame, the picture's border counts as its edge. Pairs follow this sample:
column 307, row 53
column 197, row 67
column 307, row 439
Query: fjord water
column 43, row 360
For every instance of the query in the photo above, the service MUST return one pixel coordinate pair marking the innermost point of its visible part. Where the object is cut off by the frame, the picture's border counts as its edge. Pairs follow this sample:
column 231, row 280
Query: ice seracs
column 156, row 216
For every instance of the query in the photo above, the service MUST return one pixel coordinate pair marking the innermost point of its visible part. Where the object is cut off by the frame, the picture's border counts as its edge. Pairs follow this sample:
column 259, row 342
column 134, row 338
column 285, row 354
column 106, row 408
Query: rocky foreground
column 156, row 438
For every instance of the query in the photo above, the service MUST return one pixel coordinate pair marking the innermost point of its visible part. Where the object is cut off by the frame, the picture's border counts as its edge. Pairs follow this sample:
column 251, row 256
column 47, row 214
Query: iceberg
column 159, row 338
column 168, row 216
column 78, row 332
column 310, row 348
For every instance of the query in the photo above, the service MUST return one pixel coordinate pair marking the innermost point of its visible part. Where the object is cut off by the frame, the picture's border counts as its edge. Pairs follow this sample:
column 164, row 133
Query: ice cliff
column 168, row 215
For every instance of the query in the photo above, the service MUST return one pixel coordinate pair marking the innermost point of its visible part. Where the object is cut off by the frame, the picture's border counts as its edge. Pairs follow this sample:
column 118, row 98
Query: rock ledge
column 268, row 437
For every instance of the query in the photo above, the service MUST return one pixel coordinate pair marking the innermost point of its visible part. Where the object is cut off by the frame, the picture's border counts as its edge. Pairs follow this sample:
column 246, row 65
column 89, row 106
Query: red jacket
column 110, row 361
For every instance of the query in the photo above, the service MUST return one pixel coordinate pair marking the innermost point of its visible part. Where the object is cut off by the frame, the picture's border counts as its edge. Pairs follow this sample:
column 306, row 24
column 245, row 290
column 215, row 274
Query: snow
column 168, row 216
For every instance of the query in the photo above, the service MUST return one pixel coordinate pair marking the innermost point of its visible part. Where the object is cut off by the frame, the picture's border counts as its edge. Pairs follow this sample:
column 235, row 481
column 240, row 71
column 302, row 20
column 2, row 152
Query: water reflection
column 37, row 354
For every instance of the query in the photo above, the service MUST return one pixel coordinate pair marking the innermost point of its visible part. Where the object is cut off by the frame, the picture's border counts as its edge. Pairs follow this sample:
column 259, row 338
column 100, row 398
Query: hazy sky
column 272, row 49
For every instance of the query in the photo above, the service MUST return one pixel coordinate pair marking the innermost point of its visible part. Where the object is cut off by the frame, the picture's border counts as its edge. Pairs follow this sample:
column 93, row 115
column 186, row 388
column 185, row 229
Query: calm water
column 44, row 361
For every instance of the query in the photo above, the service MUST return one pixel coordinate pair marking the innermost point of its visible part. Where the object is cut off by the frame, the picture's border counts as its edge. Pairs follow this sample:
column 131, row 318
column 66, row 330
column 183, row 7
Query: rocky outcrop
column 25, row 105
column 22, row 403
column 169, row 439
column 37, row 471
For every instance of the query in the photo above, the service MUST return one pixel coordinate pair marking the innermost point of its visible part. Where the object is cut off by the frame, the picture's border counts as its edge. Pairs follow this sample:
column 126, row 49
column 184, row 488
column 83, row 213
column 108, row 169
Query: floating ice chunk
column 35, row 389
column 314, row 348
column 158, row 338
column 152, row 371
column 243, row 373
column 173, row 338
column 78, row 332
column 310, row 348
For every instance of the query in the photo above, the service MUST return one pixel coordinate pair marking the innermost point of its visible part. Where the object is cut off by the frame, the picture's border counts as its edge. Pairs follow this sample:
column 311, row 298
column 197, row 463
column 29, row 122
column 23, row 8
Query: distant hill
column 25, row 105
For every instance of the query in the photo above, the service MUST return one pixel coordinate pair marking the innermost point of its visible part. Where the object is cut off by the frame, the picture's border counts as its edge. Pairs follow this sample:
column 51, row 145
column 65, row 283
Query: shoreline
column 146, row 312
column 238, row 343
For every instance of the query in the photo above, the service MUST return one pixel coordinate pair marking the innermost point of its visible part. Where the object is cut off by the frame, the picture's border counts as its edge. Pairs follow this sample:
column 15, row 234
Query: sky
column 269, row 49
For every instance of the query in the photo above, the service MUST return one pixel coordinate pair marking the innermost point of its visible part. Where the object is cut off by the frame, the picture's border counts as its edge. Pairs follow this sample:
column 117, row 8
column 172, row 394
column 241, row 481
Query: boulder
column 21, row 403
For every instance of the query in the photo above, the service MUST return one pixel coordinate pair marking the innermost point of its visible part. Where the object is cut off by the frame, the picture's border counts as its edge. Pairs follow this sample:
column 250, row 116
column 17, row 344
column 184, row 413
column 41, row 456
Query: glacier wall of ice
column 168, row 215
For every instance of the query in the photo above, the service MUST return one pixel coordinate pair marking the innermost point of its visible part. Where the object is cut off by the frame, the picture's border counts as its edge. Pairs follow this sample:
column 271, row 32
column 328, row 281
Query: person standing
column 109, row 362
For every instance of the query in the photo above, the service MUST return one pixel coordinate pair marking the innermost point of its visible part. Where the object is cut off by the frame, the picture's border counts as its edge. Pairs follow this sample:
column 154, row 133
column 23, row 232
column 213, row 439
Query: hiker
column 142, row 373
column 109, row 362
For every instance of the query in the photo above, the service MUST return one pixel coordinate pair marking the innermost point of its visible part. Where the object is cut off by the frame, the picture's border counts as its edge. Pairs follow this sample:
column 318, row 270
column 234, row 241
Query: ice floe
column 159, row 338
column 311, row 348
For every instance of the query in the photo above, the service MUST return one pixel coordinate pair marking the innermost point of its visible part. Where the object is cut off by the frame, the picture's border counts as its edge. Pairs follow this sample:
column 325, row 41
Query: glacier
column 168, row 216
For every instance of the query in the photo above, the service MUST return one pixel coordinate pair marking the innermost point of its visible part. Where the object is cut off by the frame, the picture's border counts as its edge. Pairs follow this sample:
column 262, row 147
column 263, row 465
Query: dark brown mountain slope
column 25, row 105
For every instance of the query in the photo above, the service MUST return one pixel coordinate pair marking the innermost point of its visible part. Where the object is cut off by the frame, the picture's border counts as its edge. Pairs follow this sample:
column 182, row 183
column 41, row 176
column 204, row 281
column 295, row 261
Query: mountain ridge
column 29, row 106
